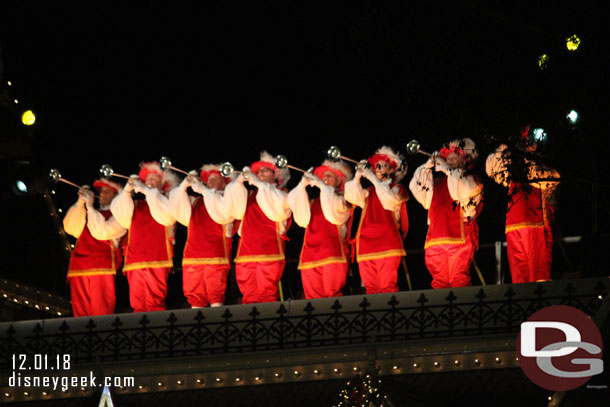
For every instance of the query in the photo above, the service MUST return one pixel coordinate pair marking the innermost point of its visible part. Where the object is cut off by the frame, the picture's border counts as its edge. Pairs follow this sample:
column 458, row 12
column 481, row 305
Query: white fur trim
column 341, row 166
column 468, row 145
column 399, row 160
column 113, row 184
column 209, row 167
column 281, row 174
column 169, row 179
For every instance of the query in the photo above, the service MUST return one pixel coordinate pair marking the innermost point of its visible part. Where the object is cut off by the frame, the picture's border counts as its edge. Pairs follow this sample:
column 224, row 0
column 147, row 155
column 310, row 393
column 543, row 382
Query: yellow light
column 543, row 61
column 572, row 43
column 28, row 118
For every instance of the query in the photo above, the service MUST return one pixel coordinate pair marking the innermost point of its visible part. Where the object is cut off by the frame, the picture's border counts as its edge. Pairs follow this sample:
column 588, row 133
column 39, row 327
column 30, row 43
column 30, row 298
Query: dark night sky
column 221, row 81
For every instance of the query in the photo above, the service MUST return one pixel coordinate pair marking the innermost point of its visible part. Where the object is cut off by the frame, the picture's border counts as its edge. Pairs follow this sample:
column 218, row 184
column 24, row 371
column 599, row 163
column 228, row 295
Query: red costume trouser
column 449, row 264
column 379, row 276
column 205, row 284
column 258, row 282
column 148, row 288
column 530, row 253
column 324, row 281
column 92, row 295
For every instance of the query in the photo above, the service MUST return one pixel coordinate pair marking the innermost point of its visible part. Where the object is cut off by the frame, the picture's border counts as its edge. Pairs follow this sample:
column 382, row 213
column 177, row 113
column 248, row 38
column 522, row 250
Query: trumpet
column 107, row 171
column 334, row 153
column 226, row 170
column 55, row 176
column 413, row 148
column 282, row 162
column 166, row 164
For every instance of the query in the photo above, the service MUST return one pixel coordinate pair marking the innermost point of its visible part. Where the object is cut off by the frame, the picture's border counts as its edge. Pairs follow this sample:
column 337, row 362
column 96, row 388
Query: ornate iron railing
column 464, row 312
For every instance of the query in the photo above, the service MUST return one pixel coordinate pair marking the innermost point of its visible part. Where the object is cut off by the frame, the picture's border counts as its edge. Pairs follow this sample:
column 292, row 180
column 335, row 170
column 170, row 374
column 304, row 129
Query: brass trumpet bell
column 334, row 153
column 282, row 162
column 227, row 169
column 166, row 164
column 54, row 175
column 107, row 171
column 413, row 147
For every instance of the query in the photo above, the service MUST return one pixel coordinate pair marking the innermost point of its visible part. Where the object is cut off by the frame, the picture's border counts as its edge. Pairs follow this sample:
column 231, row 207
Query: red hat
column 464, row 147
column 106, row 183
column 211, row 169
column 395, row 160
column 168, row 179
column 339, row 168
column 267, row 160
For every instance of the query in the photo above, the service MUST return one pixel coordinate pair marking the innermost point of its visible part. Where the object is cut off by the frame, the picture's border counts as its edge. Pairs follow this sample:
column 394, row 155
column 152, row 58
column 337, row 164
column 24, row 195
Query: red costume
column 149, row 252
column 93, row 262
column 529, row 236
column 323, row 261
column 206, row 260
column 260, row 254
column 383, row 222
column 454, row 200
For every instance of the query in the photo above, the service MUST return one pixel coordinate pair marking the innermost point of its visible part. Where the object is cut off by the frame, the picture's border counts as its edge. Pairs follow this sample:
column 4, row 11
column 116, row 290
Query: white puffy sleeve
column 75, row 219
column 272, row 202
column 122, row 207
column 298, row 202
column 180, row 204
column 334, row 206
column 214, row 203
column 422, row 185
column 495, row 165
column 354, row 193
column 236, row 198
column 102, row 228
column 159, row 206
column 390, row 198
column 462, row 187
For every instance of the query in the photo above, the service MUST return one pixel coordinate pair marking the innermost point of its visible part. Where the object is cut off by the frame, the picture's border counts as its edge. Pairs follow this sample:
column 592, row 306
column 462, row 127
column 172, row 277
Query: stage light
column 540, row 135
column 28, row 118
column 572, row 43
column 543, row 61
column 21, row 186
column 573, row 116
column 28, row 179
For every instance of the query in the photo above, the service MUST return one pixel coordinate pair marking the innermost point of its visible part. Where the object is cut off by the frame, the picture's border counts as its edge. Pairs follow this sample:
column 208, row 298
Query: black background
column 221, row 81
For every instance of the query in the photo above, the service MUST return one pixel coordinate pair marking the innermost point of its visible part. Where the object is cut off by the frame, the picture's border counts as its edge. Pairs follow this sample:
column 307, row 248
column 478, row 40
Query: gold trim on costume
column 448, row 240
column 259, row 257
column 323, row 262
column 523, row 225
column 148, row 264
column 204, row 261
column 444, row 240
column 91, row 272
column 381, row 255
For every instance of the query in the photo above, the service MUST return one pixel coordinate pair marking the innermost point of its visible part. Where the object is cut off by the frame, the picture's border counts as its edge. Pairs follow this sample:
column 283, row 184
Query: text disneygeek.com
column 64, row 383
